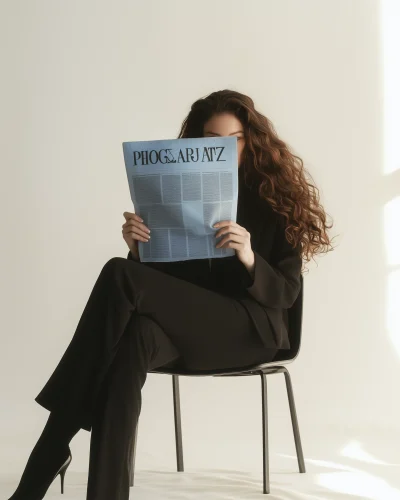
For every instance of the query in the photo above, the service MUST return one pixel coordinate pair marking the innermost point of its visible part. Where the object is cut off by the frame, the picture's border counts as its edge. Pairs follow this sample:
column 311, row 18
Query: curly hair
column 281, row 177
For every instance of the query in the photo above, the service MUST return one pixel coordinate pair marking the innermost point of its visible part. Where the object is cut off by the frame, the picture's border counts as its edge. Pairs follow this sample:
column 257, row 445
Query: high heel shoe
column 27, row 491
column 50, row 457
column 63, row 470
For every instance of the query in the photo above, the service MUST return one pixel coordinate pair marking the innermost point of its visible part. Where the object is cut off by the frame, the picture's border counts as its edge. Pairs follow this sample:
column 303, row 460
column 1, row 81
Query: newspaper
column 180, row 188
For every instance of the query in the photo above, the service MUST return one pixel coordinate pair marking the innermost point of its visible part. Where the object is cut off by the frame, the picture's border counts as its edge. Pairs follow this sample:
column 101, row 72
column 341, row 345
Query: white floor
column 366, row 478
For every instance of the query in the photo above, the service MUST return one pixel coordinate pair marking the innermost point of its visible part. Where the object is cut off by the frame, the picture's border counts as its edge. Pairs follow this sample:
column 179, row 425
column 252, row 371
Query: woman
column 201, row 314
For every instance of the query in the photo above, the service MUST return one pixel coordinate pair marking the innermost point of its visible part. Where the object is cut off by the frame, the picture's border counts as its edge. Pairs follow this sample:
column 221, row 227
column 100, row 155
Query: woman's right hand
column 133, row 230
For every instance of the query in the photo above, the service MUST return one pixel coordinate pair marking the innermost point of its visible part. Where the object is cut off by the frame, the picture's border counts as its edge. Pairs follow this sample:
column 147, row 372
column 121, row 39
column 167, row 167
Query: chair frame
column 263, row 370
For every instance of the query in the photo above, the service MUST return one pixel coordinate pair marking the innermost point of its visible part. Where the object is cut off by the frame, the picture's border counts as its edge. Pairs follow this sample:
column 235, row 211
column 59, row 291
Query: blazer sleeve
column 275, row 285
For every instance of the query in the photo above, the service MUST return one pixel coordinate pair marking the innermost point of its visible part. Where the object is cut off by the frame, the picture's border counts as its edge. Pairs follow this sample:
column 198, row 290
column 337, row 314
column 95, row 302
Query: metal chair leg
column 295, row 424
column 178, row 423
column 266, row 488
column 132, row 457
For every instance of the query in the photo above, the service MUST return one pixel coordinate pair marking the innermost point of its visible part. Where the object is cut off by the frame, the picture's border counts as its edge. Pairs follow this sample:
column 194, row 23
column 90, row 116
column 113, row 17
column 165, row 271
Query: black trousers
column 138, row 318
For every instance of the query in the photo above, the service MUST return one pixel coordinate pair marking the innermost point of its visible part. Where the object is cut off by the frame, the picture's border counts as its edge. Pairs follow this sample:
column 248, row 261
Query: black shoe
column 63, row 470
column 49, row 458
column 30, row 489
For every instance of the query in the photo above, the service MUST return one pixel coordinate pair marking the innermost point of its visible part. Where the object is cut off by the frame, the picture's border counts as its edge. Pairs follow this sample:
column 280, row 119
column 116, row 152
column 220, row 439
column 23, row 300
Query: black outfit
column 144, row 315
column 276, row 284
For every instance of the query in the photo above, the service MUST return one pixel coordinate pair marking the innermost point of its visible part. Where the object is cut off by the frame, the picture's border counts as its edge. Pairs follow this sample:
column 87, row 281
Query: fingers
column 135, row 233
column 131, row 228
column 132, row 215
column 136, row 221
column 231, row 227
column 225, row 223
column 237, row 235
column 141, row 228
column 135, row 228
column 232, row 241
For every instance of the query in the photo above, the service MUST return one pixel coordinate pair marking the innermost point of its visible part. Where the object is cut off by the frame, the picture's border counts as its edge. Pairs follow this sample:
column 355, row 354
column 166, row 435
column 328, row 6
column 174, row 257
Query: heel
column 63, row 470
column 62, row 475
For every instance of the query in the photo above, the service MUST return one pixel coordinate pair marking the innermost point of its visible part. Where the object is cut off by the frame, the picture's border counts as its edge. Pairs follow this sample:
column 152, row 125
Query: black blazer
column 276, row 282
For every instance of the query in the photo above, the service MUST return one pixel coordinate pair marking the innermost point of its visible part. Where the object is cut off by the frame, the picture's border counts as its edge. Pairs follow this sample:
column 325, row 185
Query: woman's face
column 225, row 124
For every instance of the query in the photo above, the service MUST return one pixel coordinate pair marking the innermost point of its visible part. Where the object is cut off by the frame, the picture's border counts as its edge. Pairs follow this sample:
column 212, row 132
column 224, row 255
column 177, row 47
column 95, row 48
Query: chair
column 276, row 366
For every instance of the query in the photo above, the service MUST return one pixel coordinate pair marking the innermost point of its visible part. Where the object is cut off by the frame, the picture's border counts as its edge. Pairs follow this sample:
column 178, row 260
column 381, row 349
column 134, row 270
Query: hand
column 133, row 230
column 238, row 238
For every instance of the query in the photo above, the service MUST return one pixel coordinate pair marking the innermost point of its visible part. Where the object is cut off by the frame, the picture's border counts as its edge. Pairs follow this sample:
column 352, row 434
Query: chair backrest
column 295, row 317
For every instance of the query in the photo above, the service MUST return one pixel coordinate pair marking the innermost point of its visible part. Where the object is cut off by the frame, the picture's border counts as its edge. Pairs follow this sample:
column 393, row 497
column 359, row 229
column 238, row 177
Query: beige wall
column 80, row 77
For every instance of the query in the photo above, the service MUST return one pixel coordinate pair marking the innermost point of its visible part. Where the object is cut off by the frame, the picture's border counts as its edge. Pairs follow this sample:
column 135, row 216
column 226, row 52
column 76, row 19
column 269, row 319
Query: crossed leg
column 209, row 330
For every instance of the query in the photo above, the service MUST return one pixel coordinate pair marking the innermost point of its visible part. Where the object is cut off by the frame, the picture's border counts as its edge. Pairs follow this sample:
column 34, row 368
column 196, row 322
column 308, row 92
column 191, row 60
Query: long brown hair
column 282, row 179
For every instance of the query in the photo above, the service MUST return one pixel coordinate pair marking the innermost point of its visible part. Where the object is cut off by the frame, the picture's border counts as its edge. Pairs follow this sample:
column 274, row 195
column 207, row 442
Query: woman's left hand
column 238, row 238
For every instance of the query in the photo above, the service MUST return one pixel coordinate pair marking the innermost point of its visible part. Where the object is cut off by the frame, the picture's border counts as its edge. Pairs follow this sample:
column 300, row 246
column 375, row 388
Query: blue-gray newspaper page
column 180, row 188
